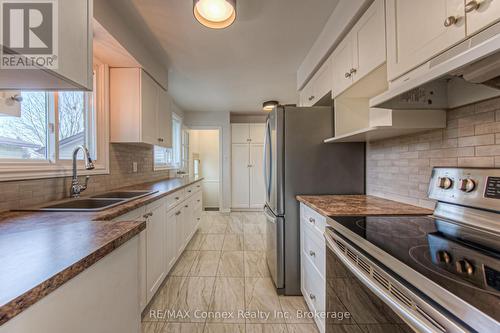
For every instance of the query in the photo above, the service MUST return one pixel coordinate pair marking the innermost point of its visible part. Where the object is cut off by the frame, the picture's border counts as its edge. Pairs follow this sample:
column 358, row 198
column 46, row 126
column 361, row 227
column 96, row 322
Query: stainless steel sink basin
column 123, row 194
column 83, row 205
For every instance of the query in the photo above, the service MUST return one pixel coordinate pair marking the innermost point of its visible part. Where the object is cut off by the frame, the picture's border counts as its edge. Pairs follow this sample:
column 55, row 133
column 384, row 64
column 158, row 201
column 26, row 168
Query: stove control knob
column 464, row 267
column 445, row 183
column 444, row 257
column 467, row 185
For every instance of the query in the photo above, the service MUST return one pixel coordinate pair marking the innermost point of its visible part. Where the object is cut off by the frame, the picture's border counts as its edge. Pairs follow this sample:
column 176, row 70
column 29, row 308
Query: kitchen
column 352, row 187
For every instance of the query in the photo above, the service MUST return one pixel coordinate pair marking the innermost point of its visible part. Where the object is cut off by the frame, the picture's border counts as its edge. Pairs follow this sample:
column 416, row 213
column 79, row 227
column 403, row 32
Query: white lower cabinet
column 155, row 246
column 171, row 222
column 313, row 262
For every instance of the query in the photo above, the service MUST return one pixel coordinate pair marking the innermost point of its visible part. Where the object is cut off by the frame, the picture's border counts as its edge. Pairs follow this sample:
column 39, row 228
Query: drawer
column 191, row 189
column 175, row 198
column 314, row 248
column 197, row 186
column 313, row 219
column 314, row 290
column 135, row 215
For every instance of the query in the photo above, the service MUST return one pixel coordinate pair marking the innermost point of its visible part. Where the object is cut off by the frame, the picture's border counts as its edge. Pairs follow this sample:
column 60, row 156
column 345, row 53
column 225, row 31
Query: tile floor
column 223, row 274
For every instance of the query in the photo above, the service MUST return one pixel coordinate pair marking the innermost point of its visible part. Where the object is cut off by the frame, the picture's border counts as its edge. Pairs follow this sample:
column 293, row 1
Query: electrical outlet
column 134, row 166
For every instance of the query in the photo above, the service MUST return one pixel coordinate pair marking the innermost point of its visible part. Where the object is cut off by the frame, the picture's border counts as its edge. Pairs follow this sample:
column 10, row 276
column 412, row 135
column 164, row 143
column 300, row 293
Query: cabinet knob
column 312, row 253
column 178, row 213
column 471, row 6
column 186, row 206
column 312, row 221
column 347, row 75
column 176, row 198
column 450, row 20
column 311, row 98
column 312, row 297
column 353, row 71
column 145, row 216
column 160, row 139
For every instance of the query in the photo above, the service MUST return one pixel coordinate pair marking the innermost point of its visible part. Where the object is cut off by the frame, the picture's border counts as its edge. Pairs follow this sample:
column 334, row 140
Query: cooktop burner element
column 457, row 249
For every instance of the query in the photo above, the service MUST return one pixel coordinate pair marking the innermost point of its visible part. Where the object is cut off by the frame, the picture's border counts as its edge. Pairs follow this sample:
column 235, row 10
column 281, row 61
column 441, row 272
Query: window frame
column 175, row 165
column 52, row 167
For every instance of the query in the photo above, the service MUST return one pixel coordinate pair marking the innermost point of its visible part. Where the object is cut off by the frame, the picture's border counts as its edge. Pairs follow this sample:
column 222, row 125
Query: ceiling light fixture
column 270, row 105
column 215, row 14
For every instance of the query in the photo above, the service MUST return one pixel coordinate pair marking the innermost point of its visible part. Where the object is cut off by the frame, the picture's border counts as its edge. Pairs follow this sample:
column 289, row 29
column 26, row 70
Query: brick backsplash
column 19, row 194
column 400, row 168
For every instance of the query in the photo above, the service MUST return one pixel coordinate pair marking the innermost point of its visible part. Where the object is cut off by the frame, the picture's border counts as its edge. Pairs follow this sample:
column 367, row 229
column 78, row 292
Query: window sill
column 47, row 171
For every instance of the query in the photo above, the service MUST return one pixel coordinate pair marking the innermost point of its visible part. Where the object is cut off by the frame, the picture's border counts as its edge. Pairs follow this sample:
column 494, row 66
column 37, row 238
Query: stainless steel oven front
column 376, row 299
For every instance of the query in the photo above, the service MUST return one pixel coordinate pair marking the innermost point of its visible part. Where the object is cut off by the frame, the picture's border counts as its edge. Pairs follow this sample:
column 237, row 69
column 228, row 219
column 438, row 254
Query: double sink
column 97, row 202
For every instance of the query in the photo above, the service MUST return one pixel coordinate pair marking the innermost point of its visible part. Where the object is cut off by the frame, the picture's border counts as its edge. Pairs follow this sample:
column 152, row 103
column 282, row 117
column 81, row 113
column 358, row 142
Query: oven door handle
column 418, row 320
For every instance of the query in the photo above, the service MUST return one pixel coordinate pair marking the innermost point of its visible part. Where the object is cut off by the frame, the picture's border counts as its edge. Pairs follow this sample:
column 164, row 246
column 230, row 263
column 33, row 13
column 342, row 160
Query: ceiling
column 238, row 68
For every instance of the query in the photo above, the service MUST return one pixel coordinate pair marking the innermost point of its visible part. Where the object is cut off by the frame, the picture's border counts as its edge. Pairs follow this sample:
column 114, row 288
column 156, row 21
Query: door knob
column 450, row 20
column 471, row 6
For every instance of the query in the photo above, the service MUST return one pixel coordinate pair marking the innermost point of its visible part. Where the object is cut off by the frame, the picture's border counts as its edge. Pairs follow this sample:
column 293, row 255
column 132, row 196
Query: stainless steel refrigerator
column 298, row 162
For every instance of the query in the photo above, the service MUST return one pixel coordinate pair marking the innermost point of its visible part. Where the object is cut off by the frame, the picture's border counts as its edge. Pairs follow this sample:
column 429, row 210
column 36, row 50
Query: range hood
column 466, row 73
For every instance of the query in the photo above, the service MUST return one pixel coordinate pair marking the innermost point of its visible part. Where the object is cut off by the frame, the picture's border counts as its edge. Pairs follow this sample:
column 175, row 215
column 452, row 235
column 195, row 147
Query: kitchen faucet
column 76, row 188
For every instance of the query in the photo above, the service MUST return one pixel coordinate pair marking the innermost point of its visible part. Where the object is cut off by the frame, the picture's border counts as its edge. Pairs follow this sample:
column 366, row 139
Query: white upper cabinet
column 74, row 54
column 418, row 30
column 319, row 85
column 140, row 109
column 240, row 133
column 481, row 14
column 257, row 133
column 362, row 50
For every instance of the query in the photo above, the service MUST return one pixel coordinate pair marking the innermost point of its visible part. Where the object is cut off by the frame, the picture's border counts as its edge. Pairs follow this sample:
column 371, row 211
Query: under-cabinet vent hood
column 466, row 73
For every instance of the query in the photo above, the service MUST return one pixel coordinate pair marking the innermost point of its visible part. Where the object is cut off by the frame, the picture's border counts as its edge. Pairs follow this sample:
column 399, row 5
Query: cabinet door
column 369, row 41
column 155, row 239
column 240, row 180
column 479, row 17
column 240, row 133
column 306, row 94
column 164, row 123
column 257, row 133
column 417, row 32
column 322, row 83
column 170, row 240
column 187, row 221
column 179, row 230
column 342, row 65
column 149, row 109
column 257, row 187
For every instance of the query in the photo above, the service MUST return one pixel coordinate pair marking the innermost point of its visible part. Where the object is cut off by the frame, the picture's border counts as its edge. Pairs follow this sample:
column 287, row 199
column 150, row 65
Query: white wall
column 123, row 22
column 222, row 120
column 206, row 144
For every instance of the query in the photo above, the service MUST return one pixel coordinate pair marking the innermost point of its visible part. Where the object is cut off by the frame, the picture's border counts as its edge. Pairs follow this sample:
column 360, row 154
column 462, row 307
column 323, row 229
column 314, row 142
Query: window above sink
column 40, row 129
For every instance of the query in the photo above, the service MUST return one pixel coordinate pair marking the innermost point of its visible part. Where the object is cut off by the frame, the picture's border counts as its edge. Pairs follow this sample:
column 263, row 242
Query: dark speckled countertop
column 358, row 205
column 40, row 251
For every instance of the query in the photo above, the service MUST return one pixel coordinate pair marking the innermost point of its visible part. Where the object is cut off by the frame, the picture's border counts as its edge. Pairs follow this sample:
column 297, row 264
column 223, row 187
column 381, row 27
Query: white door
column 257, row 187
column 170, row 239
column 481, row 14
column 149, row 109
column 417, row 31
column 155, row 247
column 342, row 66
column 164, row 123
column 240, row 133
column 257, row 133
column 240, row 183
column 369, row 41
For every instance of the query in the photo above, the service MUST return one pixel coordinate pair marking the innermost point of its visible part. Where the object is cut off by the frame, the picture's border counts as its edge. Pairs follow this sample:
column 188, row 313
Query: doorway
column 206, row 161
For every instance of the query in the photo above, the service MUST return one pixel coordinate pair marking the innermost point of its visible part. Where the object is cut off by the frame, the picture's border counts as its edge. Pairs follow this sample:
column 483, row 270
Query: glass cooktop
column 461, row 259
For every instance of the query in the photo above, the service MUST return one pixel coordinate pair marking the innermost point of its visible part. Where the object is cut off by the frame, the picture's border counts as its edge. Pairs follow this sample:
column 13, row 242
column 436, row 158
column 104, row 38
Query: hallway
column 222, row 284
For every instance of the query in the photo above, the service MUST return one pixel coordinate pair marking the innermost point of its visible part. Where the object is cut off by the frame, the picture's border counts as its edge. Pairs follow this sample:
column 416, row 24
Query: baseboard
column 252, row 210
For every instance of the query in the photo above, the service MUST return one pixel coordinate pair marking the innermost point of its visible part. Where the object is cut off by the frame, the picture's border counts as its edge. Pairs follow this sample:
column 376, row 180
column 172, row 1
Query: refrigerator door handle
column 267, row 160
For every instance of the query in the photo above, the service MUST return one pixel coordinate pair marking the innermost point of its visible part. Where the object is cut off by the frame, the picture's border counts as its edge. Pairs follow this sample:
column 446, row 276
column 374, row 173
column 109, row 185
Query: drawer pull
column 177, row 198
column 147, row 215
column 186, row 206
column 312, row 253
column 198, row 200
column 312, row 297
column 178, row 213
column 312, row 221
column 189, row 191
column 471, row 6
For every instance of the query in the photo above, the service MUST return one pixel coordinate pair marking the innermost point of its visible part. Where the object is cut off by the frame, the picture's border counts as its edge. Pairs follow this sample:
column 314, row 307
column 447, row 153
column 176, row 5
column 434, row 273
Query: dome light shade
column 215, row 14
column 270, row 105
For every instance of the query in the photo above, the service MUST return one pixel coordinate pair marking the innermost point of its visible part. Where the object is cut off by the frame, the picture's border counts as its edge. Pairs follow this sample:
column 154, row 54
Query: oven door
column 376, row 300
